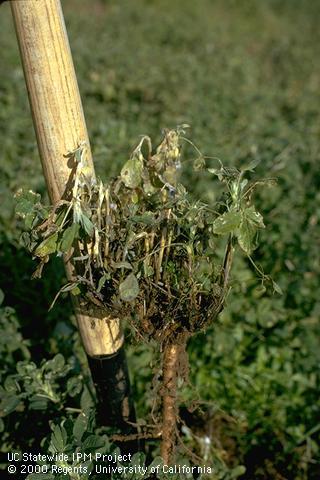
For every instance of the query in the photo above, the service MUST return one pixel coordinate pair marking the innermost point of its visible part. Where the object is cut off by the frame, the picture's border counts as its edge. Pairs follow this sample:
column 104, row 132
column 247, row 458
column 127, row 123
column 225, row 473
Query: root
column 171, row 366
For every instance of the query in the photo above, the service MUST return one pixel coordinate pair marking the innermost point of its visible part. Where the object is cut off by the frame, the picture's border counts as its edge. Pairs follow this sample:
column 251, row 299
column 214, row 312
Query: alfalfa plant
column 147, row 251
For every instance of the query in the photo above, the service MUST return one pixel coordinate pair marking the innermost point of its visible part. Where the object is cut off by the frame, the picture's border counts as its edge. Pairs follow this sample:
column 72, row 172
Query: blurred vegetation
column 246, row 76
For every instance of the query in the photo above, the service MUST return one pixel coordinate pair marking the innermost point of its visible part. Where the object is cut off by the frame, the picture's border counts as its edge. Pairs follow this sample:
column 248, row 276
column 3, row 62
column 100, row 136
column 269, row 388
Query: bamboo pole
column 60, row 128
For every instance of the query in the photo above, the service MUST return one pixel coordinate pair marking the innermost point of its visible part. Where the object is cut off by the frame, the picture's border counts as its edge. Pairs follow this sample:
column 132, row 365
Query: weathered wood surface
column 60, row 128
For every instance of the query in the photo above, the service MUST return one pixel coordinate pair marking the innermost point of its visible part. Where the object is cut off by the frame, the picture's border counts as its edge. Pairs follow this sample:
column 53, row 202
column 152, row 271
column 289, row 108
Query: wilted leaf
column 129, row 288
column 47, row 246
column 38, row 271
column 121, row 265
column 26, row 241
column 131, row 173
column 226, row 223
column 28, row 220
column 170, row 175
column 199, row 164
column 259, row 291
column 150, row 183
column 68, row 237
column 69, row 287
column 148, row 271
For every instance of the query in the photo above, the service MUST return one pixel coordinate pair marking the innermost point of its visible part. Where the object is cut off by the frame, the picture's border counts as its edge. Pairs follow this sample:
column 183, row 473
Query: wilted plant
column 147, row 251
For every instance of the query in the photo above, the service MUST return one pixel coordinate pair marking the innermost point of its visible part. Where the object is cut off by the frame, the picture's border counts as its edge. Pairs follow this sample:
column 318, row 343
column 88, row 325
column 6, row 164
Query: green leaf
column 80, row 426
column 251, row 166
column 75, row 291
column 215, row 171
column 246, row 235
column 26, row 202
column 87, row 224
column 131, row 173
column 147, row 218
column 226, row 223
column 276, row 288
column 56, row 364
column 259, row 291
column 237, row 471
column 1, row 296
column 61, row 214
column 47, row 246
column 68, row 237
column 93, row 442
column 129, row 288
column 41, row 476
column 86, row 401
column 74, row 386
column 254, row 217
column 11, row 384
column 59, row 438
column 138, row 458
column 28, row 220
column 137, row 461
column 9, row 404
column 25, row 368
column 102, row 281
column 157, row 461
column 38, row 403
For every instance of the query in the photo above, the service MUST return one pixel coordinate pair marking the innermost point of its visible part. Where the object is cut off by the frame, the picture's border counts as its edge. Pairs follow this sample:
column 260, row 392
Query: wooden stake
column 60, row 128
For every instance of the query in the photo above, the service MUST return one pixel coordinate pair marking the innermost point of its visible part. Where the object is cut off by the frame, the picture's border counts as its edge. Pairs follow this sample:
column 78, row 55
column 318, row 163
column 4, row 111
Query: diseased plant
column 147, row 251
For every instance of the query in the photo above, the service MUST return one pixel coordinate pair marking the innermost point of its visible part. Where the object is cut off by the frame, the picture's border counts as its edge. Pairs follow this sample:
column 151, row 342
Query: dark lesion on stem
column 111, row 380
column 115, row 406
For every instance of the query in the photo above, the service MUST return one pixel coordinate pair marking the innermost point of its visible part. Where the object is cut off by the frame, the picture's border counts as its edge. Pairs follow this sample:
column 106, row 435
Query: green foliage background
column 246, row 76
